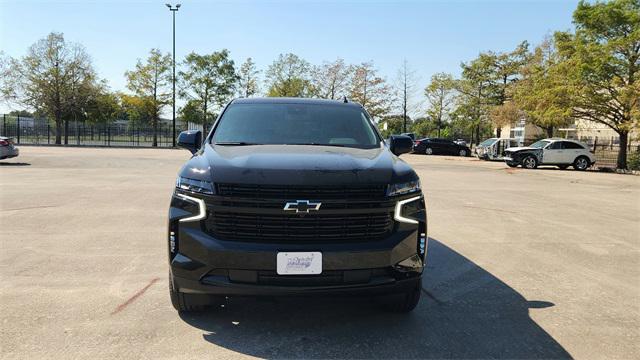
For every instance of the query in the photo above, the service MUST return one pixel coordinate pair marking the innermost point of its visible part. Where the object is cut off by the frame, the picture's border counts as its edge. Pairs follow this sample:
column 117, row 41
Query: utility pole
column 173, row 11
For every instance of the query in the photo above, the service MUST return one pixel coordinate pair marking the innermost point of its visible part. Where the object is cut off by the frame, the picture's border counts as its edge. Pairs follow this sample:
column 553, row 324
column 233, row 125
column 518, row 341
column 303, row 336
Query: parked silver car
column 493, row 148
column 7, row 148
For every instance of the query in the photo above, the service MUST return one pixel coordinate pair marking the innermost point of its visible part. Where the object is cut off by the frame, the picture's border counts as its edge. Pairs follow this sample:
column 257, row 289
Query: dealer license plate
column 299, row 263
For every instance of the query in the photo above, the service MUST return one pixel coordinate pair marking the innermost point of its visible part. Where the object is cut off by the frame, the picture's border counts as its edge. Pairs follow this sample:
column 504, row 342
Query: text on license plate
column 299, row 263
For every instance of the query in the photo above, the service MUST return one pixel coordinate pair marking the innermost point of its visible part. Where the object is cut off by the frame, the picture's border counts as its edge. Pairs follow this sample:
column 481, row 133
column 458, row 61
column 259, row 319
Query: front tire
column 530, row 162
column 186, row 302
column 581, row 163
column 428, row 151
column 406, row 302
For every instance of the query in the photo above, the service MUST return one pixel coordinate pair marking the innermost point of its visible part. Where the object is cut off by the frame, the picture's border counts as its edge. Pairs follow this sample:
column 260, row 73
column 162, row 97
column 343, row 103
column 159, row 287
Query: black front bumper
column 222, row 286
column 203, row 264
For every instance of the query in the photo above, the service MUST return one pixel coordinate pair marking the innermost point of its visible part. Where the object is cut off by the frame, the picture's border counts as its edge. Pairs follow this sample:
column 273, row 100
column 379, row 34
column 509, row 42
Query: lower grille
column 327, row 278
column 287, row 228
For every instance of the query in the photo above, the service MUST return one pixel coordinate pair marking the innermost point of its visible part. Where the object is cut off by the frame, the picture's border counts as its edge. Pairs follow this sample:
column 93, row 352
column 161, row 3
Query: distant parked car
column 558, row 152
column 494, row 148
column 7, row 149
column 437, row 146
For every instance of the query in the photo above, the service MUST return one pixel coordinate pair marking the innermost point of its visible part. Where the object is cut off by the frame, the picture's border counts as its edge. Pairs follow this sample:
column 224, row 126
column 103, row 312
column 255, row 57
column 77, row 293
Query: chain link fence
column 121, row 133
column 607, row 155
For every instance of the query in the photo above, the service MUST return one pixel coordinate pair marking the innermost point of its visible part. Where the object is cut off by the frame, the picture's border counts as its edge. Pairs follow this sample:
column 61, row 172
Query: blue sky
column 433, row 36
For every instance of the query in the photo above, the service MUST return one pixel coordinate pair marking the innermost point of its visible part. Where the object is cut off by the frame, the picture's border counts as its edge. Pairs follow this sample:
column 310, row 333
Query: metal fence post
column 108, row 135
column 48, row 133
column 18, row 126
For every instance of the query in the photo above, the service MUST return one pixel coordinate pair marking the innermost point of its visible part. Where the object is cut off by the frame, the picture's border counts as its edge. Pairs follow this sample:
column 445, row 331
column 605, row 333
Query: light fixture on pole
column 173, row 11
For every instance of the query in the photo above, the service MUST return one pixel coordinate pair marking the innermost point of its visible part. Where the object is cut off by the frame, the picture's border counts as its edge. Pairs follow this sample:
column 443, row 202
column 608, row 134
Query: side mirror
column 400, row 144
column 190, row 140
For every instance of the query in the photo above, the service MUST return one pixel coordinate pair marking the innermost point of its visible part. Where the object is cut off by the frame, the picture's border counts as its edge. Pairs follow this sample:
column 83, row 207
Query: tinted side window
column 572, row 145
column 556, row 145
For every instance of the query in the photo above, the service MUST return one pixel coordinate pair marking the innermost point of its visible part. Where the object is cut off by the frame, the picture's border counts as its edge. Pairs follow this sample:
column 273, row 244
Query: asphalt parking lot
column 521, row 264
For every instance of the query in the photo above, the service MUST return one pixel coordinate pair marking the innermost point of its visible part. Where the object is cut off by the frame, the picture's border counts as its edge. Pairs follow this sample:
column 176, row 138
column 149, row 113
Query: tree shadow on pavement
column 465, row 312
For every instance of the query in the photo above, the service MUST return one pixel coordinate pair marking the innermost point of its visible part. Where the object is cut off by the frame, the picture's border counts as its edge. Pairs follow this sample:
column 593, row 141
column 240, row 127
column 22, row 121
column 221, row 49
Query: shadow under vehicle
column 466, row 312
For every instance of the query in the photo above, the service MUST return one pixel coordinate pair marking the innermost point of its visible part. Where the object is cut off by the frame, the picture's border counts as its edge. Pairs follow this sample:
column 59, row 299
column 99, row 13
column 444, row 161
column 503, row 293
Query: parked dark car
column 295, row 197
column 435, row 146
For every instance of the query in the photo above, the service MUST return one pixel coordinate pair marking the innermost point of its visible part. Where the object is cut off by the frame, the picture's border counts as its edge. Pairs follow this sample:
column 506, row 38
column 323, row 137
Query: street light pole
column 173, row 11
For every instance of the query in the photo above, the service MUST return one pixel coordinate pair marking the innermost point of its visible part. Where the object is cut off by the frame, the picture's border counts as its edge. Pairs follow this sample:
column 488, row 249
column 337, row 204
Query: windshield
column 488, row 142
column 540, row 144
column 295, row 124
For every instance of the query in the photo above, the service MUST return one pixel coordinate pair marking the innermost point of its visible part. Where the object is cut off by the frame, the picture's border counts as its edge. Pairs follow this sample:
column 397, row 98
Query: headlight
column 403, row 188
column 400, row 207
column 202, row 207
column 199, row 186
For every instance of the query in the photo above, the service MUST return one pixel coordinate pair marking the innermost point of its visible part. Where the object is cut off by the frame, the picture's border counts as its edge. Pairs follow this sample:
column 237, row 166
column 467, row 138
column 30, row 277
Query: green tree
column 544, row 92
column 191, row 112
column 605, row 52
column 103, row 107
column 56, row 78
column 370, row 90
column 393, row 124
column 507, row 68
column 288, row 76
column 424, row 127
column 440, row 94
column 21, row 113
column 477, row 93
column 330, row 80
column 501, row 115
column 248, row 79
column 138, row 109
column 209, row 80
column 150, row 82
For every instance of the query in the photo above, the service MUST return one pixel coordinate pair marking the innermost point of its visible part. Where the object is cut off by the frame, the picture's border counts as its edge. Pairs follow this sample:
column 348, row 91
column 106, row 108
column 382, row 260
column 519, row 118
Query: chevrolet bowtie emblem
column 302, row 206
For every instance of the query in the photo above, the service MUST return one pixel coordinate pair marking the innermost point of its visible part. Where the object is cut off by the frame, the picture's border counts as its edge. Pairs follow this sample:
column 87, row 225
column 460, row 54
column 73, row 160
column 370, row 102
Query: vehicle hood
column 297, row 165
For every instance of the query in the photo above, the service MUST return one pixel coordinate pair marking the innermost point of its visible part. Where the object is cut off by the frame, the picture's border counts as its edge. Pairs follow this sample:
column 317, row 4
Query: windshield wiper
column 235, row 143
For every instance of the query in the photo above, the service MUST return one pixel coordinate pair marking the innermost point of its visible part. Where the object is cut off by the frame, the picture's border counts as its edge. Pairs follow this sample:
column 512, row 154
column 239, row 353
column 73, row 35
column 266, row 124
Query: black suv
column 295, row 197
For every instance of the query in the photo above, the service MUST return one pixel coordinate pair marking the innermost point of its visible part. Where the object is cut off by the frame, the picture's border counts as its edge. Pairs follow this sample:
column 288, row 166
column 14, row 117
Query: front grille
column 301, row 192
column 291, row 228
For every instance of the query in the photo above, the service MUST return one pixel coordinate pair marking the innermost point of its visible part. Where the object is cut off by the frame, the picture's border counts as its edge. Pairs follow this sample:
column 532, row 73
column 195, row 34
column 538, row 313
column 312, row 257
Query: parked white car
column 558, row 152
column 7, row 148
